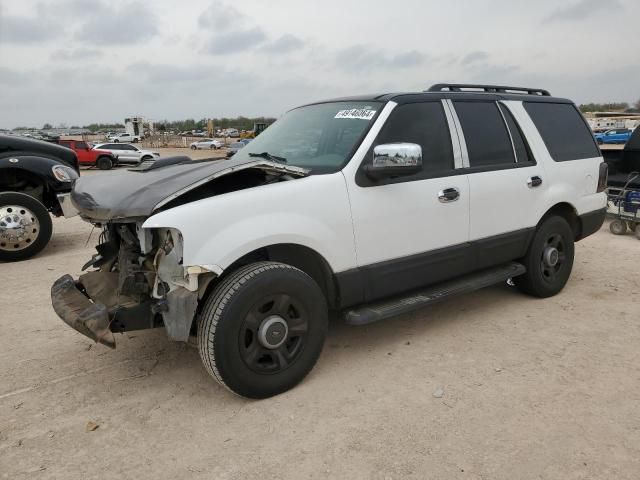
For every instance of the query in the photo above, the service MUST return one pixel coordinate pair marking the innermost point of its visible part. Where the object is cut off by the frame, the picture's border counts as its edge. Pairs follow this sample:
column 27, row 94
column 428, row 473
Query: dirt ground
column 530, row 388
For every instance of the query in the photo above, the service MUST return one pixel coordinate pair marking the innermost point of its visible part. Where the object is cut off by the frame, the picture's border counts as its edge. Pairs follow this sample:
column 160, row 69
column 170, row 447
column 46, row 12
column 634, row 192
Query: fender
column 36, row 166
column 313, row 212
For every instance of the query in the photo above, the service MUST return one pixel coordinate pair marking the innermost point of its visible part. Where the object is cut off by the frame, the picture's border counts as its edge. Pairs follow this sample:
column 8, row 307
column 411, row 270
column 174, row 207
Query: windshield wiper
column 268, row 156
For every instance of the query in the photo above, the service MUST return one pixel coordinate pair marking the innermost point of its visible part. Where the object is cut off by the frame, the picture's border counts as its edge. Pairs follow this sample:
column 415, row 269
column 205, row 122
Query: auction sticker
column 361, row 113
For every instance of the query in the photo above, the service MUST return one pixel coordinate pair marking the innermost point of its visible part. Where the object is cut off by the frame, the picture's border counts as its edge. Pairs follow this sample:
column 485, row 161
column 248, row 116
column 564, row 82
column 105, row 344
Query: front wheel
column 193, row 147
column 25, row 226
column 262, row 329
column 548, row 260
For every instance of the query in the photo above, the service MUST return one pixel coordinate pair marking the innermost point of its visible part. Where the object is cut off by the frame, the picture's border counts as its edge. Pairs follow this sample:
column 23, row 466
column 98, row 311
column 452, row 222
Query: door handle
column 449, row 195
column 534, row 181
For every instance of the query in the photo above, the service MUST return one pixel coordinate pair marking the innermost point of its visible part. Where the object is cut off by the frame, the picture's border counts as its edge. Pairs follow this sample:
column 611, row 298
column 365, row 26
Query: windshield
column 318, row 137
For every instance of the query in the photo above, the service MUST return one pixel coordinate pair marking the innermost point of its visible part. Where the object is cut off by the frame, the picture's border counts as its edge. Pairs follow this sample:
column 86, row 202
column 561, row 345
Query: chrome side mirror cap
column 395, row 160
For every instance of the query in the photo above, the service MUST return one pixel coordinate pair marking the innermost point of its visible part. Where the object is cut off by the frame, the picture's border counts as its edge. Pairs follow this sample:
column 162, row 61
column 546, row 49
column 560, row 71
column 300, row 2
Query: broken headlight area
column 135, row 281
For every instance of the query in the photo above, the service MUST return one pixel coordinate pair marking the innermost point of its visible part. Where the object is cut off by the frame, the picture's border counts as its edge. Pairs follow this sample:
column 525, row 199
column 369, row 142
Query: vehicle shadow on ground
column 180, row 364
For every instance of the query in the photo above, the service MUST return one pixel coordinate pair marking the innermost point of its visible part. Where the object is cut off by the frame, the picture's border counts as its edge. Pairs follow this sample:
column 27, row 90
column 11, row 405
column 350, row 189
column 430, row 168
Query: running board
column 389, row 308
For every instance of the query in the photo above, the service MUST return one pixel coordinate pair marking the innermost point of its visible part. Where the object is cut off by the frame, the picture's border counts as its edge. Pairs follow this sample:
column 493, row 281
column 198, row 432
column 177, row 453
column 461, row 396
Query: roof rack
column 460, row 87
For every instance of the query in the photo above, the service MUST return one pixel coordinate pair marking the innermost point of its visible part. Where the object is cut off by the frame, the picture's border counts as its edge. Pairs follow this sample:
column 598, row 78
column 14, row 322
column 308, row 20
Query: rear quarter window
column 564, row 131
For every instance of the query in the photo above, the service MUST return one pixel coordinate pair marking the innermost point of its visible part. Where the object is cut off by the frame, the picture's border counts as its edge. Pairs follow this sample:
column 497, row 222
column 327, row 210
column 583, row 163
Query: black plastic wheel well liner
column 14, row 179
column 569, row 213
column 299, row 256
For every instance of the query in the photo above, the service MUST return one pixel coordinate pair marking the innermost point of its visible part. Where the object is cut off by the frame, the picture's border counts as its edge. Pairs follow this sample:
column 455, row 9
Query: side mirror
column 395, row 160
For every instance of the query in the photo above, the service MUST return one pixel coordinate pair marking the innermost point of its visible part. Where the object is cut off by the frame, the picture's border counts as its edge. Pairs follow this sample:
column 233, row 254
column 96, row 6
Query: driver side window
column 424, row 124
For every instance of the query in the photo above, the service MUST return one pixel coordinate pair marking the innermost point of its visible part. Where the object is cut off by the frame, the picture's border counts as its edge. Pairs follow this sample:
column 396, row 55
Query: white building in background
column 138, row 126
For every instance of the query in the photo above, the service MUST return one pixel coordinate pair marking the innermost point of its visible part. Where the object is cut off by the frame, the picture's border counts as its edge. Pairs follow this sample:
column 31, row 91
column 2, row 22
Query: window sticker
column 361, row 113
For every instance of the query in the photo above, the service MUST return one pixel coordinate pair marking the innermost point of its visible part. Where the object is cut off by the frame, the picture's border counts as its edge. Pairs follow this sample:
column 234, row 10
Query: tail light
column 602, row 177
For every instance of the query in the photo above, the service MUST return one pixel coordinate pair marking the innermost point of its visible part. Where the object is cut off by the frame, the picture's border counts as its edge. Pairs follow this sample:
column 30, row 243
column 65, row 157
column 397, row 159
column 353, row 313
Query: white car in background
column 124, row 137
column 206, row 143
column 127, row 153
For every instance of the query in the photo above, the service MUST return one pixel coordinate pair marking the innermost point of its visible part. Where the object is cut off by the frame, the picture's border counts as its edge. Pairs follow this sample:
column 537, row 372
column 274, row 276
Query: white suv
column 366, row 206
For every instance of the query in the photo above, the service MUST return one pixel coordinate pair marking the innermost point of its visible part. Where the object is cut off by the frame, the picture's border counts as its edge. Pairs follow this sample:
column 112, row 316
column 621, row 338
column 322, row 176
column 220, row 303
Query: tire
column 193, row 147
column 135, row 140
column 632, row 225
column 618, row 227
column 146, row 157
column 116, row 141
column 213, row 147
column 234, row 325
column 600, row 142
column 544, row 278
column 35, row 230
column 104, row 163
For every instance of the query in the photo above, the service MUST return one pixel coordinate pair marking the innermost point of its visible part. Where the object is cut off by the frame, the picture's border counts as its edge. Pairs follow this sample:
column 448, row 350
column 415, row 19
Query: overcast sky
column 83, row 61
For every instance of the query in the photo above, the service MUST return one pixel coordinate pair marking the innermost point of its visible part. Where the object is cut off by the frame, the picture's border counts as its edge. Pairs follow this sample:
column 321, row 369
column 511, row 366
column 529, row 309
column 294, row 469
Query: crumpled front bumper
column 76, row 310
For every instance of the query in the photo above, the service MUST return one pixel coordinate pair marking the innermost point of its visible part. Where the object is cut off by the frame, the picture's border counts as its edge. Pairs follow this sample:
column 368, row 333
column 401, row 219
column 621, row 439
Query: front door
column 412, row 231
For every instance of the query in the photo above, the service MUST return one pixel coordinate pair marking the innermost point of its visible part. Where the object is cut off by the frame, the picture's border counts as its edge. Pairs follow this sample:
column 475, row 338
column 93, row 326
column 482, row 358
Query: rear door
column 505, row 182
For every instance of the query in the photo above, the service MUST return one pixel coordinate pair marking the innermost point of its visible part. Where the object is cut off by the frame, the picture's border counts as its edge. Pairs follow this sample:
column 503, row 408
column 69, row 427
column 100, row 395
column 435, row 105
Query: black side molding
column 408, row 303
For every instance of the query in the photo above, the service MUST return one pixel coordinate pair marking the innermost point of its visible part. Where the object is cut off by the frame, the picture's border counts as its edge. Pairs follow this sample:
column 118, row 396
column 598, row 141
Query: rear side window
column 486, row 135
column 426, row 125
column 564, row 131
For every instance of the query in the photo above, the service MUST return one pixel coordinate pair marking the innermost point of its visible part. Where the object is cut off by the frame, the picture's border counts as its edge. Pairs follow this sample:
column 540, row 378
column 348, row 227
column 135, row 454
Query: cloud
column 131, row 23
column 234, row 42
column 76, row 54
column 581, row 10
column 362, row 58
column 285, row 44
column 13, row 78
column 26, row 30
column 219, row 16
column 473, row 57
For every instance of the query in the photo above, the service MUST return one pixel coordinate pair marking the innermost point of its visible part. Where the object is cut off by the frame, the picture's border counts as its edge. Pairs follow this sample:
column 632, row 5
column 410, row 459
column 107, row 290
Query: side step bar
column 389, row 308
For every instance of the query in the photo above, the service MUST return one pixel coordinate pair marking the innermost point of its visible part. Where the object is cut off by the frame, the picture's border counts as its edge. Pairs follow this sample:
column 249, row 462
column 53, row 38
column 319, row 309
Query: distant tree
column 636, row 106
column 47, row 126
column 604, row 107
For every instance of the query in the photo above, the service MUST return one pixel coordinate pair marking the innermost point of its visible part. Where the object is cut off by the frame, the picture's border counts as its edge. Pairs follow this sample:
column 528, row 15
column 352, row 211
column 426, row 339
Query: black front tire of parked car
column 262, row 329
column 549, row 259
column 36, row 222
column 104, row 163
column 193, row 147
column 213, row 147
column 115, row 140
column 135, row 140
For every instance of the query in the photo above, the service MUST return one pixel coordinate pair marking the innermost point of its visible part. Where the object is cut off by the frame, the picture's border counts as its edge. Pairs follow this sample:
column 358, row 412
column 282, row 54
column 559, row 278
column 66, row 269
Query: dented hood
column 139, row 191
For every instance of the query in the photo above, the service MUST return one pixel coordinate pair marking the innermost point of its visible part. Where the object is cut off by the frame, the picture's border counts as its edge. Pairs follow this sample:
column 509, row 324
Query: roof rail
column 460, row 87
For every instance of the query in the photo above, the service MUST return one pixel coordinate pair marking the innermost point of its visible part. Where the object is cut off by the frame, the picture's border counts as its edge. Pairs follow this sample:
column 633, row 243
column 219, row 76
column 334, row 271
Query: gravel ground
column 493, row 385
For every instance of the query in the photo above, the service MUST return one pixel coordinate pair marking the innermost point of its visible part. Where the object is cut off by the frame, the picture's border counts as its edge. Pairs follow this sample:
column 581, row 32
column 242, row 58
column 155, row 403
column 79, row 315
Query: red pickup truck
column 88, row 156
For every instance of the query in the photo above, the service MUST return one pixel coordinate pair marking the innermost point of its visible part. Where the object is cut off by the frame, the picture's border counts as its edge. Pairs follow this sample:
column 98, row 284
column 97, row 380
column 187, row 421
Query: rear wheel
column 262, row 329
column 549, row 259
column 632, row 225
column 104, row 163
column 25, row 226
column 618, row 227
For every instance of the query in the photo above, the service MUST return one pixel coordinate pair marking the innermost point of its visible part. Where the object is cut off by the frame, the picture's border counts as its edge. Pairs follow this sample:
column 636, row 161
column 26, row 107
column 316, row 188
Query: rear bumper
column 591, row 222
column 77, row 311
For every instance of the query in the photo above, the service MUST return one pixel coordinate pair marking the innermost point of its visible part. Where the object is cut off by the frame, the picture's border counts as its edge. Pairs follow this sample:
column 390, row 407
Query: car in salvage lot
column 35, row 180
column 368, row 207
column 206, row 143
column 127, row 153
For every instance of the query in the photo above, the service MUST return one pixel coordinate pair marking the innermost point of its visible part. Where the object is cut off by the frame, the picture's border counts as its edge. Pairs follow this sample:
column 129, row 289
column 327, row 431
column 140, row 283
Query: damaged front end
column 135, row 281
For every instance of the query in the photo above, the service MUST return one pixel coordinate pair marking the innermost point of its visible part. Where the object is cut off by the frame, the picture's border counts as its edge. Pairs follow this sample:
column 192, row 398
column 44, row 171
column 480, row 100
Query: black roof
column 480, row 92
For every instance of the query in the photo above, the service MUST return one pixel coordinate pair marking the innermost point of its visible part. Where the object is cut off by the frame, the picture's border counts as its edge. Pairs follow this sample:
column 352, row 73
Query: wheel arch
column 26, row 181
column 300, row 256
column 569, row 213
